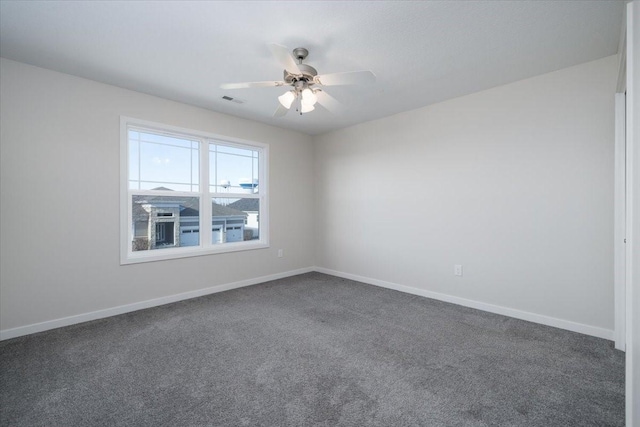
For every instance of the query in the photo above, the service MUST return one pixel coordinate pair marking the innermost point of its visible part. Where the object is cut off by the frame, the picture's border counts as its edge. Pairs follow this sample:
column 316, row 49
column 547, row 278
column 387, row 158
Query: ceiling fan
column 307, row 86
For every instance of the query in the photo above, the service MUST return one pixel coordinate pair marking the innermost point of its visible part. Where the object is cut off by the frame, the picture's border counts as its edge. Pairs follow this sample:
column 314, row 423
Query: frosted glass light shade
column 305, row 108
column 308, row 97
column 286, row 99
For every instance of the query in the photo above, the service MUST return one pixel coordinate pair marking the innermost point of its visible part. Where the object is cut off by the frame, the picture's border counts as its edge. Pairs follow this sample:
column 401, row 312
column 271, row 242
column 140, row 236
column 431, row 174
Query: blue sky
column 171, row 162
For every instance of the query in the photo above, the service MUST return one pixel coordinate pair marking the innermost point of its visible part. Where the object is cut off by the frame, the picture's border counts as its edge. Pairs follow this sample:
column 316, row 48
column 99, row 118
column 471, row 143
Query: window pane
column 165, row 139
column 233, row 169
column 160, row 222
column 195, row 162
column 163, row 162
column 235, row 220
column 234, row 150
column 163, row 186
column 134, row 163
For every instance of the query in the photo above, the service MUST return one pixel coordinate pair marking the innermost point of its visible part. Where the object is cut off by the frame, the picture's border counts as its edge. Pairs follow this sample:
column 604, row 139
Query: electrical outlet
column 457, row 270
column 280, row 253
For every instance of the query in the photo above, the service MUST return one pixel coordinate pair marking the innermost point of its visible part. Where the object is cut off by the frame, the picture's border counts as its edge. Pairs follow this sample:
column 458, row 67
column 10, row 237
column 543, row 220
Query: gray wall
column 515, row 183
column 60, row 199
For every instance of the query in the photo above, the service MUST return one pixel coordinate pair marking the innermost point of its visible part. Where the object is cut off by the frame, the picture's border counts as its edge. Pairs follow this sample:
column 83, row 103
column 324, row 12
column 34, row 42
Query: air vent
column 236, row 100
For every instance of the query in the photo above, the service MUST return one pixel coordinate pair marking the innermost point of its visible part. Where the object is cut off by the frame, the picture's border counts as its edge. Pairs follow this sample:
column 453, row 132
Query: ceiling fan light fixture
column 309, row 98
column 305, row 108
column 287, row 99
column 304, row 82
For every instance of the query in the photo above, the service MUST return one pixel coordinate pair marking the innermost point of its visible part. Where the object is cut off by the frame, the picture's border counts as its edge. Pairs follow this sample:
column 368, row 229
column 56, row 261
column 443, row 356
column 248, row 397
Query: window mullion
column 205, row 197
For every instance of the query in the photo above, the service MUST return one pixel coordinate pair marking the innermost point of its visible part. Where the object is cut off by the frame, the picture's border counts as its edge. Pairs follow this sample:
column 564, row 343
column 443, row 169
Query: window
column 160, row 232
column 176, row 182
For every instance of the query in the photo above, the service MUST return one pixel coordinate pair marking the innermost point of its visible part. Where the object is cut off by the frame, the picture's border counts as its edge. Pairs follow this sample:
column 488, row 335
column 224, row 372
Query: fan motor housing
column 308, row 73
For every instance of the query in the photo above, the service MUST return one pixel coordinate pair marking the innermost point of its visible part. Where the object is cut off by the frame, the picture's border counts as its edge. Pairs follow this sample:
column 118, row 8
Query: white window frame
column 128, row 256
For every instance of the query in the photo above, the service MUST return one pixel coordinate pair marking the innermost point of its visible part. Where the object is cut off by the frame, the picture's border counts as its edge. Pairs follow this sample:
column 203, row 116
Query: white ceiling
column 421, row 52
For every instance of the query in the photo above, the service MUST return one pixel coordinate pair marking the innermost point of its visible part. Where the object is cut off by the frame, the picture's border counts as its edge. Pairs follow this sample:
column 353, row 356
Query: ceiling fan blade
column 348, row 78
column 246, row 85
column 280, row 111
column 329, row 102
column 283, row 55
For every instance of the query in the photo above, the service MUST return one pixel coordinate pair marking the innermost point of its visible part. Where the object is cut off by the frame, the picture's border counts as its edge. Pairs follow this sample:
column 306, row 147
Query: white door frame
column 620, row 196
column 619, row 231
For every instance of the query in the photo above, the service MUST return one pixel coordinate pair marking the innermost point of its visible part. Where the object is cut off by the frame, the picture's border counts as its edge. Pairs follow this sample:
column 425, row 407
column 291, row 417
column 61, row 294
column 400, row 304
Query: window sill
column 188, row 252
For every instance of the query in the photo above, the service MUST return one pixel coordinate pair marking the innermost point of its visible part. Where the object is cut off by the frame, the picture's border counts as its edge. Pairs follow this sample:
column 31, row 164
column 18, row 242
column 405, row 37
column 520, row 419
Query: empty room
column 319, row 213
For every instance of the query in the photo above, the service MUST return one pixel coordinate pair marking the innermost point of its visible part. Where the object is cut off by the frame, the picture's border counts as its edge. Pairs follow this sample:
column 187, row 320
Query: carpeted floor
column 310, row 350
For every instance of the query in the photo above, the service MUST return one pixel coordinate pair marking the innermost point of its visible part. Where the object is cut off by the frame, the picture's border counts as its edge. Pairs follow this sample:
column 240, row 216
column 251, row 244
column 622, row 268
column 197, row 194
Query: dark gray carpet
column 311, row 350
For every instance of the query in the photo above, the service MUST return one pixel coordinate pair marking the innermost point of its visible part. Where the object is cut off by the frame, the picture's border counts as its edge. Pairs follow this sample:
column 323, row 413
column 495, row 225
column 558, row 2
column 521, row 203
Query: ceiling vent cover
column 236, row 100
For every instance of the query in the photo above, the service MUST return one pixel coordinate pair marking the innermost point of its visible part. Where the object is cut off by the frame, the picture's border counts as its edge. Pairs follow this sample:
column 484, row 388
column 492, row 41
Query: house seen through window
column 181, row 184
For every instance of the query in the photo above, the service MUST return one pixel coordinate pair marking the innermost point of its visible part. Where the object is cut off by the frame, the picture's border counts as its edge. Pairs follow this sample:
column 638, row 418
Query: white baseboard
column 505, row 311
column 114, row 311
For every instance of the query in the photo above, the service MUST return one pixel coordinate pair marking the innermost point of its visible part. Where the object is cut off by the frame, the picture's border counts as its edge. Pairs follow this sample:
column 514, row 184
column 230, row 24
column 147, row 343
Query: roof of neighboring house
column 246, row 205
column 189, row 212
column 218, row 210
column 188, row 206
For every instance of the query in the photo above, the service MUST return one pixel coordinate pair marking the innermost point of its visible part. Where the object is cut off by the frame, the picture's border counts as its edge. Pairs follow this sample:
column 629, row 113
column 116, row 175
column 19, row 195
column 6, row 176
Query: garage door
column 234, row 233
column 216, row 234
column 189, row 236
